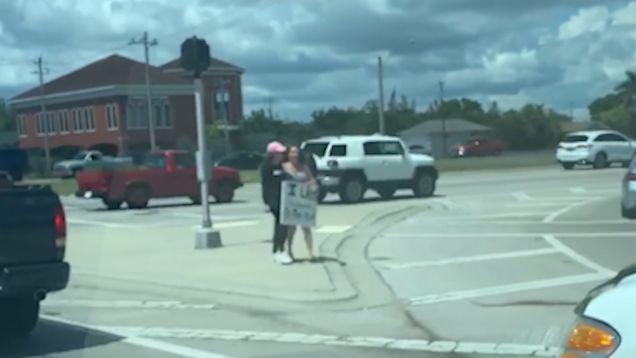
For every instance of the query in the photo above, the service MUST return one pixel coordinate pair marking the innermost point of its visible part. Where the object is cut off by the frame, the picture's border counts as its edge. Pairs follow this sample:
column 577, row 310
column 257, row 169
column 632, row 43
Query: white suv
column 599, row 148
column 349, row 165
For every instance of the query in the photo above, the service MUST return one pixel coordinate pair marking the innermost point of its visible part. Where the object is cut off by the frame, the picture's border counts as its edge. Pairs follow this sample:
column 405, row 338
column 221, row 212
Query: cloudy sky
column 310, row 54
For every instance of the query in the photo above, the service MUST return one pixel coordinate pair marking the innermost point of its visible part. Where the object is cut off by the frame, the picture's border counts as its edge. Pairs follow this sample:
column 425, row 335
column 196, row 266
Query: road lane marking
column 232, row 224
column 333, row 229
column 578, row 190
column 98, row 223
column 152, row 344
column 522, row 196
column 567, row 251
column 553, row 216
column 388, row 343
column 505, row 289
column 52, row 302
column 469, row 259
column 508, row 235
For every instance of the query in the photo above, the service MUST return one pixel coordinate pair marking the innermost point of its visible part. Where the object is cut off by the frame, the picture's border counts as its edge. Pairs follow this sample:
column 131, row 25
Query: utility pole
column 381, row 93
column 147, row 43
column 441, row 103
column 270, row 110
column 223, row 98
column 45, row 120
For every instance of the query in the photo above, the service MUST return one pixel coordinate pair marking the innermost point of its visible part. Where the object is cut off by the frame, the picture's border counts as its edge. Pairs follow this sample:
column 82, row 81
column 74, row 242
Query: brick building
column 103, row 106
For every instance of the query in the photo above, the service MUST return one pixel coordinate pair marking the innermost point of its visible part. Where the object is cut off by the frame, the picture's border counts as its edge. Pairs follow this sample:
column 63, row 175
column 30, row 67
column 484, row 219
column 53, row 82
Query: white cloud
column 511, row 66
column 626, row 15
column 592, row 19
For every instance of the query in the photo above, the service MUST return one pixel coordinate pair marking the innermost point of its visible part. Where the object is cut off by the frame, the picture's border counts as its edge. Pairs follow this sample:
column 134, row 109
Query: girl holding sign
column 297, row 170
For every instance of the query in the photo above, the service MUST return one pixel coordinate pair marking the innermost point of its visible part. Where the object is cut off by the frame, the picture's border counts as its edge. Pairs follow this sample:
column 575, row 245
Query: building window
column 21, row 125
column 78, row 124
column 51, row 122
column 162, row 114
column 65, row 126
column 88, row 117
column 136, row 115
column 112, row 117
column 40, row 127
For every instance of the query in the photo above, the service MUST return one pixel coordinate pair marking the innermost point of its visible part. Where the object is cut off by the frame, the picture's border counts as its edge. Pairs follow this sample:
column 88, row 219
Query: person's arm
column 266, row 177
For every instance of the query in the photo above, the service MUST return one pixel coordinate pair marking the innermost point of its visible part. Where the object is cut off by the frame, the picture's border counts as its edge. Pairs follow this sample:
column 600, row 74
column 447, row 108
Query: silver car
column 628, row 204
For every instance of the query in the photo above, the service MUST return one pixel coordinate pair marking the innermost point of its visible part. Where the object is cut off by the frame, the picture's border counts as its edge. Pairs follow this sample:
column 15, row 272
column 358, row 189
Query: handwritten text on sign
column 299, row 202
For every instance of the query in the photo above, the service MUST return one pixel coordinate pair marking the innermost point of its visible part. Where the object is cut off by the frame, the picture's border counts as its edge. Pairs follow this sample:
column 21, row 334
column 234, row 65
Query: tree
column 626, row 90
column 7, row 120
column 603, row 104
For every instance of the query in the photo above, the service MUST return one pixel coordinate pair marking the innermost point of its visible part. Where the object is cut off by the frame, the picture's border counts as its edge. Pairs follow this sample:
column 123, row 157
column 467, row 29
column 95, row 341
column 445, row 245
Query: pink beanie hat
column 276, row 147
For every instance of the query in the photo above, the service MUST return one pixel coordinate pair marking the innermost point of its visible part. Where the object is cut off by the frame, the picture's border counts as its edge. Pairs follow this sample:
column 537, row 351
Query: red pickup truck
column 161, row 174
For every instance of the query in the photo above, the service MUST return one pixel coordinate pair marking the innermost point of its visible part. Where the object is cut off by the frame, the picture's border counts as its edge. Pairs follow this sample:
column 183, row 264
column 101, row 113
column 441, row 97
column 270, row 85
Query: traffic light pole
column 195, row 57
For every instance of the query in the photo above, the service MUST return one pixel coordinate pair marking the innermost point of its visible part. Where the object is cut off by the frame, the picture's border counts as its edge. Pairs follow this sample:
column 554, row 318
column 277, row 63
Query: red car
column 478, row 147
column 162, row 174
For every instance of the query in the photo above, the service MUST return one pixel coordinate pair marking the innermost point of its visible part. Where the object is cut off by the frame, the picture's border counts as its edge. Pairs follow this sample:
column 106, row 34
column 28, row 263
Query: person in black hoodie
column 272, row 175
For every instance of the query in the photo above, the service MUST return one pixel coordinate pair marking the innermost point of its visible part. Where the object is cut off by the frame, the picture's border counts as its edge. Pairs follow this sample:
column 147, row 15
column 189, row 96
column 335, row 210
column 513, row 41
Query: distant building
column 103, row 106
column 429, row 134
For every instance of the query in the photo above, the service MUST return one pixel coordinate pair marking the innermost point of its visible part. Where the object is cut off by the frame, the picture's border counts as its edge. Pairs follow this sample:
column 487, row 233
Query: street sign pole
column 195, row 57
column 203, row 172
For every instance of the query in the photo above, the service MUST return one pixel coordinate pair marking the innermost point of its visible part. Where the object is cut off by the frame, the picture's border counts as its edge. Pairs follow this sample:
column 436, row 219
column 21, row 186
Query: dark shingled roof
column 214, row 62
column 112, row 70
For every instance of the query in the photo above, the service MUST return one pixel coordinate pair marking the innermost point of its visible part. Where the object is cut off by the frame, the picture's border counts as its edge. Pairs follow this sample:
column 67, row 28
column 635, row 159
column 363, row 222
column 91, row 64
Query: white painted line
column 522, row 196
column 97, row 223
column 476, row 258
column 507, row 215
column 232, row 224
column 142, row 342
column 333, row 229
column 216, row 217
column 567, row 251
column 578, row 190
column 505, row 289
column 388, row 343
column 553, row 216
column 509, row 235
column 52, row 302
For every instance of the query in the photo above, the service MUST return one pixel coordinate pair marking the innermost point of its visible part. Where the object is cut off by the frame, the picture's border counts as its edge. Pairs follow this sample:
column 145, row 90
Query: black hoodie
column 272, row 175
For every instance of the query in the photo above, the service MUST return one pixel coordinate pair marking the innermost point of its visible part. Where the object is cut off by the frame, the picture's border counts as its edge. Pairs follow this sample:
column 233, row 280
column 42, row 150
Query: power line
column 147, row 43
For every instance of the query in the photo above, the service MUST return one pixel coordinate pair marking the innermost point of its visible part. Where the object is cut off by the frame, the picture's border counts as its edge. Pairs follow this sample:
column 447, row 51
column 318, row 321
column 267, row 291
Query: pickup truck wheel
column 19, row 316
column 352, row 190
column 137, row 197
column 386, row 193
column 196, row 199
column 424, row 185
column 224, row 192
column 628, row 213
column 112, row 204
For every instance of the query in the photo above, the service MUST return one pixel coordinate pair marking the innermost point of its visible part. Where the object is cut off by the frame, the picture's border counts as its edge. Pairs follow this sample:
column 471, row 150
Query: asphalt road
column 495, row 258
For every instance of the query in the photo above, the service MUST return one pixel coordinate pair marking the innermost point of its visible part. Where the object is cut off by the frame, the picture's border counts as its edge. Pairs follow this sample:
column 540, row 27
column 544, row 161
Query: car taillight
column 59, row 220
column 631, row 176
column 332, row 164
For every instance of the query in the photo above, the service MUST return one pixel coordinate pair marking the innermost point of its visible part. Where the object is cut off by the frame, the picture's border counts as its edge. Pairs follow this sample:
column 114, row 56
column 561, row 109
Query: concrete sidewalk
column 166, row 256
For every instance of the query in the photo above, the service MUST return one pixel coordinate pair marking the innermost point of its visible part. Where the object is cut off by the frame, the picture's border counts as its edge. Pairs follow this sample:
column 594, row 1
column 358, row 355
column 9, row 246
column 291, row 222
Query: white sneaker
column 284, row 258
column 276, row 257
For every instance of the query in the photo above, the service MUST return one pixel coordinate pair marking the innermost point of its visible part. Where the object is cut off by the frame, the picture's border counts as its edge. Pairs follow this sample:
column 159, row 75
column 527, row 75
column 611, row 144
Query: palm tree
column 627, row 89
